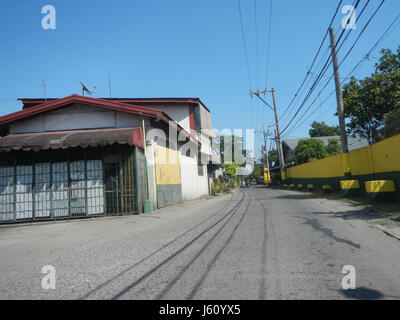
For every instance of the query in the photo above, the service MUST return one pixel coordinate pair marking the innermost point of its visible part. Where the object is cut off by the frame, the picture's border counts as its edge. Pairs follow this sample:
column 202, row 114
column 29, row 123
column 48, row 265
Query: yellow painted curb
column 349, row 184
column 379, row 186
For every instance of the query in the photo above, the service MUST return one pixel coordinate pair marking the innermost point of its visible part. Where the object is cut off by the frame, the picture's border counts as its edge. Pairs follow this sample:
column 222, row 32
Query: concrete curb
column 392, row 232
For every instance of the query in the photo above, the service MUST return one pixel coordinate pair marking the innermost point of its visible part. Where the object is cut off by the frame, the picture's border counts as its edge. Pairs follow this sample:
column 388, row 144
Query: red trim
column 31, row 102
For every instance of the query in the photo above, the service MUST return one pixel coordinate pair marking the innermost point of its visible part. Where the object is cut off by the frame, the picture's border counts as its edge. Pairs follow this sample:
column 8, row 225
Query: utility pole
column 278, row 135
column 339, row 98
column 265, row 147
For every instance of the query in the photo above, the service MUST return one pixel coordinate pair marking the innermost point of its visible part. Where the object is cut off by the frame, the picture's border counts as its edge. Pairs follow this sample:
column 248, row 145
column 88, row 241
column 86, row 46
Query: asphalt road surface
column 257, row 243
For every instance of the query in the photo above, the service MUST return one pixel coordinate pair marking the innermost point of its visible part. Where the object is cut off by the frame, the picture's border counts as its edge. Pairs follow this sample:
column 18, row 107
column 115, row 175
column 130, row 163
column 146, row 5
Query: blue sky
column 178, row 48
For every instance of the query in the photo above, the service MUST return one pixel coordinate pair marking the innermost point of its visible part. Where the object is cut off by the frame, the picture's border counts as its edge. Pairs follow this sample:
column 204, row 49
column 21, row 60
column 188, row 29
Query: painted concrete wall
column 76, row 117
column 168, row 176
column 179, row 113
column 193, row 185
column 379, row 161
column 151, row 173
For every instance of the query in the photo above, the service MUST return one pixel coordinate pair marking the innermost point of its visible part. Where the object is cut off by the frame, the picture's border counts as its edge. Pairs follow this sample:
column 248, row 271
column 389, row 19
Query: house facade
column 80, row 156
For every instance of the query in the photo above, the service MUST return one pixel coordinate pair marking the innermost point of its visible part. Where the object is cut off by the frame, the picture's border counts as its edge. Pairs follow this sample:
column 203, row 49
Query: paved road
column 257, row 243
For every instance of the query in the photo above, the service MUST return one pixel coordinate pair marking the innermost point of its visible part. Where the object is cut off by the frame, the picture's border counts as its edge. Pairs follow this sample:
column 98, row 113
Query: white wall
column 193, row 185
column 151, row 173
column 178, row 113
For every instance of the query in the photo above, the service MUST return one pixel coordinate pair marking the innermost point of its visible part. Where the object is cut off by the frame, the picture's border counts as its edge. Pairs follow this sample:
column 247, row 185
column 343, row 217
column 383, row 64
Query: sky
column 183, row 48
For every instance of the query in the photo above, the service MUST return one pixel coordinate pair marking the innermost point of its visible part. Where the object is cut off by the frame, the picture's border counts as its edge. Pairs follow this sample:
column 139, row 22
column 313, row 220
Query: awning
column 71, row 139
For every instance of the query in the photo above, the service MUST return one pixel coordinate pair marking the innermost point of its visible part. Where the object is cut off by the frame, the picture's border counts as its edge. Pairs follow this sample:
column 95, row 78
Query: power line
column 365, row 57
column 244, row 43
column 315, row 58
column 362, row 31
column 256, row 34
column 269, row 45
column 326, row 84
column 319, row 77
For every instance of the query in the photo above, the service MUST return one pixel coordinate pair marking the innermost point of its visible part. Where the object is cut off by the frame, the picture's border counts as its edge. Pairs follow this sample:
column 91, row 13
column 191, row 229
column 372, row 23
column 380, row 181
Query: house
column 289, row 145
column 80, row 156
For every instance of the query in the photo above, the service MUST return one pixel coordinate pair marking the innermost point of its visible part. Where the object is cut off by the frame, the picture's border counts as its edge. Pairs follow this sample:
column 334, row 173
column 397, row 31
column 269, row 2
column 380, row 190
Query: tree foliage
column 392, row 123
column 333, row 147
column 272, row 158
column 321, row 129
column 313, row 149
column 368, row 101
column 308, row 150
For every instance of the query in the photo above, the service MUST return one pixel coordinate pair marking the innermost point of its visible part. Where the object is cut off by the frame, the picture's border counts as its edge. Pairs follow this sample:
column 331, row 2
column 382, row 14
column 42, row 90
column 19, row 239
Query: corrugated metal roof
column 70, row 139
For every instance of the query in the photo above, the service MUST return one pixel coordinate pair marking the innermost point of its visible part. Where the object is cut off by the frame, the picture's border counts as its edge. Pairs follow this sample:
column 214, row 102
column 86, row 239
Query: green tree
column 230, row 169
column 333, row 147
column 320, row 129
column 258, row 171
column 366, row 102
column 309, row 150
column 272, row 157
column 392, row 123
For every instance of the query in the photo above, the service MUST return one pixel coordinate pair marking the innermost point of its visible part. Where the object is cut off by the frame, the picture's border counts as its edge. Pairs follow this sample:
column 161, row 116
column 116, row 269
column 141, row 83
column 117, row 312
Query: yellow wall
column 325, row 168
column 168, row 168
column 381, row 157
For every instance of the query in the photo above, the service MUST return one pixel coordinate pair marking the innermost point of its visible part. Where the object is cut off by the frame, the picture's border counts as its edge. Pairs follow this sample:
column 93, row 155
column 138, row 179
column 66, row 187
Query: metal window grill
column 95, row 192
column 128, row 186
column 6, row 193
column 142, row 178
column 77, row 193
column 72, row 183
column 42, row 190
column 23, row 192
column 60, row 201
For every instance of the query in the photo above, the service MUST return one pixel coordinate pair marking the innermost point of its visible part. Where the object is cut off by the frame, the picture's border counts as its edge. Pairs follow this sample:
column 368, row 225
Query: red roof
column 31, row 102
column 101, row 103
column 71, row 139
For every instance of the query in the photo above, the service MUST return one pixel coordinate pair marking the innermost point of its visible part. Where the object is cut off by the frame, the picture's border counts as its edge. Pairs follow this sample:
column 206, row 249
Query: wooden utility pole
column 278, row 135
column 339, row 98
column 266, row 146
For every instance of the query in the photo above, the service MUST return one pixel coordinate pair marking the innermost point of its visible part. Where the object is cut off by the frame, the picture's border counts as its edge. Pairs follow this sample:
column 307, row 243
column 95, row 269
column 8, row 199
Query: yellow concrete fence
column 382, row 157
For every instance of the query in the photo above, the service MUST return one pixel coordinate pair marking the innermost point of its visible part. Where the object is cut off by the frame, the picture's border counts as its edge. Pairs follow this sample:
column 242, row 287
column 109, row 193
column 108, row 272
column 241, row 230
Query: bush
column 220, row 186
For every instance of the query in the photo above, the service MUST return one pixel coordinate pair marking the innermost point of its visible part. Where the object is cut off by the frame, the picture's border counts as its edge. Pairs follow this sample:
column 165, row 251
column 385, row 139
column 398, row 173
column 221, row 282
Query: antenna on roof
column 86, row 89
column 44, row 89
column 109, row 84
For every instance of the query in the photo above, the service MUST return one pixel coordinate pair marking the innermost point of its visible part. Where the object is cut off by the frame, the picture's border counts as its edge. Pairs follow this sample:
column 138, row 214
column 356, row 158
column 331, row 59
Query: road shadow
column 292, row 197
column 362, row 293
column 316, row 225
column 358, row 214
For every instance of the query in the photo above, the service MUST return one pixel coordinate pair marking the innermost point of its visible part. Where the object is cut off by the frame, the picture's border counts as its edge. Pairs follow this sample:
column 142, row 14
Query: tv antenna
column 44, row 89
column 84, row 88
